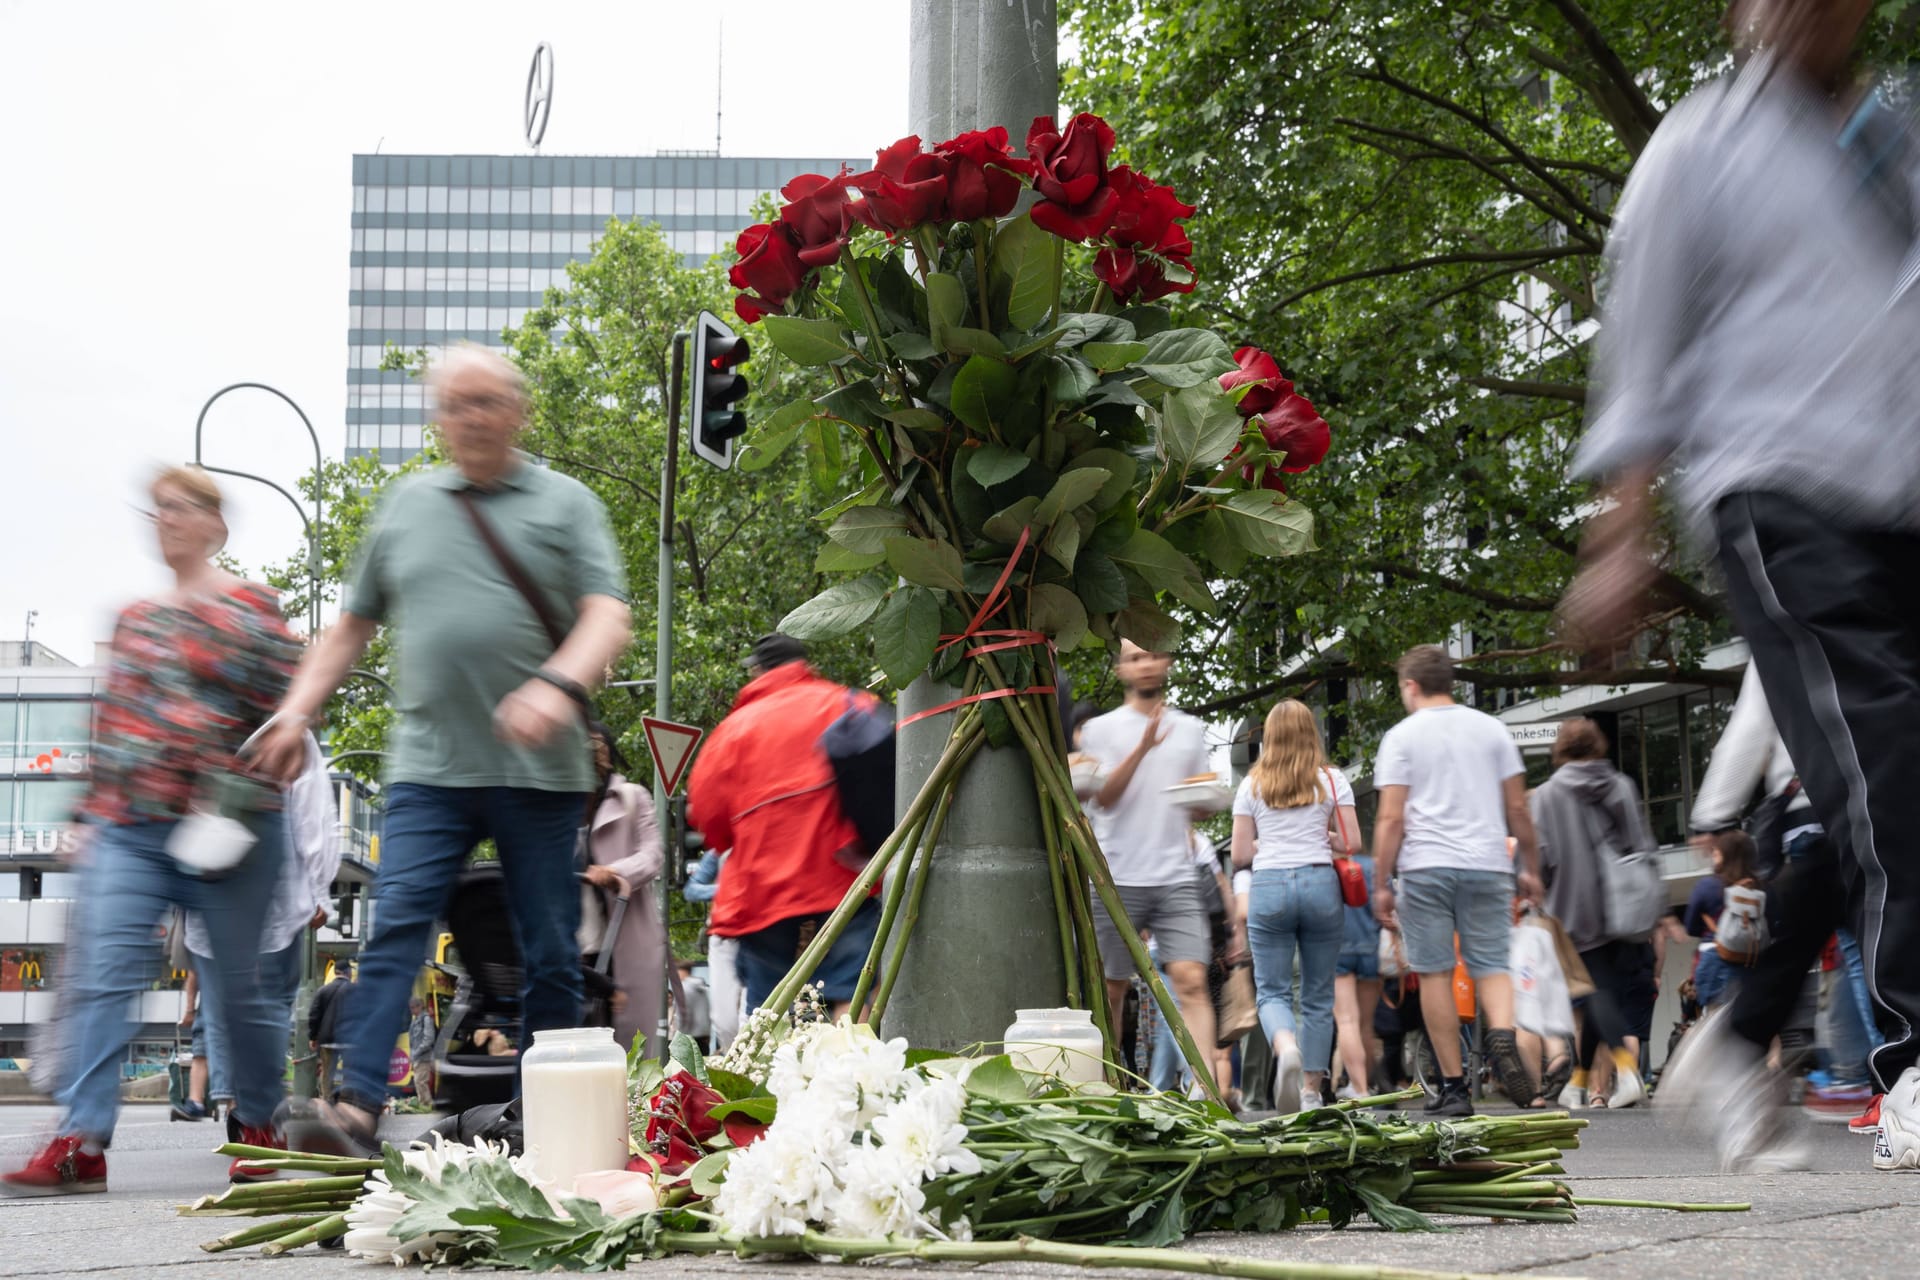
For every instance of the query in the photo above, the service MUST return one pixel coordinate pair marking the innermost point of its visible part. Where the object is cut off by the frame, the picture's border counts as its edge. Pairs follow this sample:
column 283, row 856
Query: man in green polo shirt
column 490, row 741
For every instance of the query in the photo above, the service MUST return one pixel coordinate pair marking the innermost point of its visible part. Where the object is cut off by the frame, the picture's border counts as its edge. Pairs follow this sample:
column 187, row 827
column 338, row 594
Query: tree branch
column 1446, row 150
column 565, row 461
column 1521, row 387
column 1609, row 62
column 1519, row 258
column 1478, row 679
column 1498, row 599
column 1613, row 105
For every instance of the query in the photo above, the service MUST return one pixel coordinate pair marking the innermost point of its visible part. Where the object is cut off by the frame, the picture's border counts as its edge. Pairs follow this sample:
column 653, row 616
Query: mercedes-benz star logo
column 539, row 94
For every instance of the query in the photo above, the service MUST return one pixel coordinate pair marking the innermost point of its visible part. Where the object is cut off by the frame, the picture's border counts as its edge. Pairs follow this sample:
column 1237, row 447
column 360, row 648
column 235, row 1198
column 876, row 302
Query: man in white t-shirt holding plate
column 1145, row 748
column 1452, row 788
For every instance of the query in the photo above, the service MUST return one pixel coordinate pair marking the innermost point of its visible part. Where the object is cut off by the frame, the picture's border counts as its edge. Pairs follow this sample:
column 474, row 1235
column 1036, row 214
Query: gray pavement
column 1839, row 1221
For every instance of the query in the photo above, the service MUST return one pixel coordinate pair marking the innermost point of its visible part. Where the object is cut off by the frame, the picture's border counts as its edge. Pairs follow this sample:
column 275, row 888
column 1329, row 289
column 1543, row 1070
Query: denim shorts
column 1364, row 965
column 1176, row 916
column 1439, row 903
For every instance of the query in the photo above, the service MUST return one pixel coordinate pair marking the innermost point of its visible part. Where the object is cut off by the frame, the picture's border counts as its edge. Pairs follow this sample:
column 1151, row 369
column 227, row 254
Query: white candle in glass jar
column 1057, row 1042
column 573, row 1089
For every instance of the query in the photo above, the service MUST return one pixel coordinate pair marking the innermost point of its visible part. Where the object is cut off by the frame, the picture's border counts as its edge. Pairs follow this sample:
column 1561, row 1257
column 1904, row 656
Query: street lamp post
column 305, row 1081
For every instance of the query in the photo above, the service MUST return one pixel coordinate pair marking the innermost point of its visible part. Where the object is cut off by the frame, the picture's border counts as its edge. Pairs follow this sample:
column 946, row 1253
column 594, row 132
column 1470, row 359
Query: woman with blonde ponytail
column 1291, row 817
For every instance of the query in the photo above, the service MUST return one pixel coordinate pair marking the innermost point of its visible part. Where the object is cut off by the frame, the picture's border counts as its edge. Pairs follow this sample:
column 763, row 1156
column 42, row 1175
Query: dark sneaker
column 330, row 1130
column 1505, row 1056
column 1558, row 1075
column 1454, row 1103
column 62, row 1169
column 256, row 1136
column 191, row 1110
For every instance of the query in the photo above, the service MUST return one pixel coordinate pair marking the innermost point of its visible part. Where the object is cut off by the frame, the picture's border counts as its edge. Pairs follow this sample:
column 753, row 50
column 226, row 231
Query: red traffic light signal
column 717, row 387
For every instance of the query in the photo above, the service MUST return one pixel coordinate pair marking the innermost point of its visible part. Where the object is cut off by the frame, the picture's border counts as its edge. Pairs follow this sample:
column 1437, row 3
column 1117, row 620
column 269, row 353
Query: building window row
column 370, row 436
column 764, row 172
column 490, row 319
column 45, row 737
column 494, row 278
column 597, row 202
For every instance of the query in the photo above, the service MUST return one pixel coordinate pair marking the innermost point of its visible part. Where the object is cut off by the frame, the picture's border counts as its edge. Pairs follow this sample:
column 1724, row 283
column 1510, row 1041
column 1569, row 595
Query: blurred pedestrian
column 476, row 565
column 1141, row 749
column 1452, row 788
column 421, row 1035
column 194, row 672
column 1356, row 990
column 1760, row 327
column 762, row 787
column 1292, row 815
column 725, row 995
column 1588, row 810
column 623, row 846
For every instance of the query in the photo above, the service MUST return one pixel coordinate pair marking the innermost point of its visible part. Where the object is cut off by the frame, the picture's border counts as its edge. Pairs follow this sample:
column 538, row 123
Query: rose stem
column 260, row 1231
column 922, row 870
column 1661, row 1204
column 888, row 910
column 336, row 1225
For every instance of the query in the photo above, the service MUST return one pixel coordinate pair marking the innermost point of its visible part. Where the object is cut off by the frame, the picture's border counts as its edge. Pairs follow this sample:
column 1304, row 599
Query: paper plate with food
column 1202, row 792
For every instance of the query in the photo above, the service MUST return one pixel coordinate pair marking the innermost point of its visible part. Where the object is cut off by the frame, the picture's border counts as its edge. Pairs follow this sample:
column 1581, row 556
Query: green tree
column 1408, row 205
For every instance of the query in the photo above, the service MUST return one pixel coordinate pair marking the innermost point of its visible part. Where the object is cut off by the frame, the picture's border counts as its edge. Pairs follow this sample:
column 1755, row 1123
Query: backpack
column 859, row 748
column 1740, row 934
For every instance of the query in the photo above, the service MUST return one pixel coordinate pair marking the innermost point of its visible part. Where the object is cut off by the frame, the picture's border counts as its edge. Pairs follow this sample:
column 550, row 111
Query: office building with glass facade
column 447, row 248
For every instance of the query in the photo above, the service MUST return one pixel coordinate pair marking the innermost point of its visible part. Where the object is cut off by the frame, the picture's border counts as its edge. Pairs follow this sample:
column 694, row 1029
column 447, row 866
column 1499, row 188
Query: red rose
column 1294, row 427
column 819, row 213
column 1070, row 173
column 769, row 265
column 1146, row 214
column 679, row 1158
column 743, row 1130
column 983, row 178
column 680, row 1109
column 905, row 188
column 1259, row 371
column 1131, row 274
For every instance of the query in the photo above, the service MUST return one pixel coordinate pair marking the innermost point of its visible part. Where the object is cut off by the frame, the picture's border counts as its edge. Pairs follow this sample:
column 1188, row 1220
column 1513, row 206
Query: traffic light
column 717, row 354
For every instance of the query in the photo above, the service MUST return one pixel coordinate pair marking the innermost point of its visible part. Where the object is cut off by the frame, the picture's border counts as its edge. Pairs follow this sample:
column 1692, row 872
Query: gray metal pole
column 988, row 909
column 663, row 674
column 977, row 63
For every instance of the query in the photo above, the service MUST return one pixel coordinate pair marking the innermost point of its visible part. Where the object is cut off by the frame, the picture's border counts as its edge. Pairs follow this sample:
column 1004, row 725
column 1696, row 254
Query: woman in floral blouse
column 195, row 671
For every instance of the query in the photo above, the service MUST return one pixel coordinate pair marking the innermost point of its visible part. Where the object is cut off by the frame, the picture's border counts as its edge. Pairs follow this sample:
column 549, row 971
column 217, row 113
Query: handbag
column 1741, row 932
column 1236, row 1011
column 1353, row 880
column 1635, row 896
column 607, row 757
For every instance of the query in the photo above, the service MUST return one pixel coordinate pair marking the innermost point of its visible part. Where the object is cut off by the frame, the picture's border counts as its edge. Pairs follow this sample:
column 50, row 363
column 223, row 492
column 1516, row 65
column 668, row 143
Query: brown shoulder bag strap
column 511, row 567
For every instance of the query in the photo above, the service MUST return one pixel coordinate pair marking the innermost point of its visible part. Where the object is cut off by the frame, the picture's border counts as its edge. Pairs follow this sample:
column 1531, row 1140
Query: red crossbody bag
column 1353, row 881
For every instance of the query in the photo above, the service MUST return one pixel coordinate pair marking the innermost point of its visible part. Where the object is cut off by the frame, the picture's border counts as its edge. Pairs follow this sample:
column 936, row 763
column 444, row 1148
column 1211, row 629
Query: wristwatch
column 569, row 687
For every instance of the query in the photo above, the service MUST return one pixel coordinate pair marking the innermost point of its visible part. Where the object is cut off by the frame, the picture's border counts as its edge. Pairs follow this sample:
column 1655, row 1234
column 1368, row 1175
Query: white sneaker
column 1628, row 1089
column 1572, row 1098
column 1286, row 1083
column 1720, row 1086
column 1897, row 1144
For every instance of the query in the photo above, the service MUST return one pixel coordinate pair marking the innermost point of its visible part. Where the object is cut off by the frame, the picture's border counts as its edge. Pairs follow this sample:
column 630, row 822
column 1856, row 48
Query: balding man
column 490, row 742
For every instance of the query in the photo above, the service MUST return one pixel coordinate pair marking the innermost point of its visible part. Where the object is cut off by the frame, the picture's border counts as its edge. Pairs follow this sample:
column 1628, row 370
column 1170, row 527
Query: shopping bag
column 1236, row 1011
column 1540, row 1000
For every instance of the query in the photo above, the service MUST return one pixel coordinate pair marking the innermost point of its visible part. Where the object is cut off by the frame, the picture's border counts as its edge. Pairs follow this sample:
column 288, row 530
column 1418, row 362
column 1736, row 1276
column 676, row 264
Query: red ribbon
column 1016, row 638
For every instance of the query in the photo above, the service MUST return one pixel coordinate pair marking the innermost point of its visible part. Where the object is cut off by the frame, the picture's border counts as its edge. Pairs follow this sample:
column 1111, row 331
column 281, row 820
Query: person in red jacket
column 763, row 788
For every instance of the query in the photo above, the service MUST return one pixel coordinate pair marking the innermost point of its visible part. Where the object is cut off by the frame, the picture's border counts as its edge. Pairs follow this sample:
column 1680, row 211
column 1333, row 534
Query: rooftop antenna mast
column 719, row 80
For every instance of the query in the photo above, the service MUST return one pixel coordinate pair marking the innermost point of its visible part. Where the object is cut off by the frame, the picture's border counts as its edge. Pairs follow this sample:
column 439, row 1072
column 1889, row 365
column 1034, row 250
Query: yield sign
column 672, row 747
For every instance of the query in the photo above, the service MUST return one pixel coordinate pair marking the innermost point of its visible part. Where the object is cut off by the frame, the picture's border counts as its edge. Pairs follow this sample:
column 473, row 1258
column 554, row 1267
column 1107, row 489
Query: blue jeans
column 279, row 978
column 1166, row 1063
column 1297, row 909
column 428, row 833
column 1857, row 986
column 128, row 884
column 1714, row 980
column 1850, row 1027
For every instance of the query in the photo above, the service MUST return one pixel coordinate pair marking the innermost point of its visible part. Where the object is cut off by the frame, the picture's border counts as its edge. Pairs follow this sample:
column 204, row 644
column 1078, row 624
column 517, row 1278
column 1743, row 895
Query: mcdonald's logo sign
column 31, row 974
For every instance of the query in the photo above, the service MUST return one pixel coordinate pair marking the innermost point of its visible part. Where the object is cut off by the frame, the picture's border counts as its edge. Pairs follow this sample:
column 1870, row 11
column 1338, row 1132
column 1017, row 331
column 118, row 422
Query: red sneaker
column 250, row 1135
column 1868, row 1121
column 61, row 1169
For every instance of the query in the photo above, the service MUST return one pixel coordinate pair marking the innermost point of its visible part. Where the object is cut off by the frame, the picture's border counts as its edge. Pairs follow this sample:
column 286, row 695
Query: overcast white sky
column 177, row 210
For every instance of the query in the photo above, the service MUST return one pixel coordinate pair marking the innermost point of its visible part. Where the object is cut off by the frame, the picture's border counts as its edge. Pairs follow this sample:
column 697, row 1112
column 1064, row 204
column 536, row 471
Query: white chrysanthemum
column 752, row 1201
column 924, row 1132
column 370, row 1226
column 880, row 1196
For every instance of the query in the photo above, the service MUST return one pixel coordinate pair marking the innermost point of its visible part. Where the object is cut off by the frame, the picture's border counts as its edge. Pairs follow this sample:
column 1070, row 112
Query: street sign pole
column 663, row 673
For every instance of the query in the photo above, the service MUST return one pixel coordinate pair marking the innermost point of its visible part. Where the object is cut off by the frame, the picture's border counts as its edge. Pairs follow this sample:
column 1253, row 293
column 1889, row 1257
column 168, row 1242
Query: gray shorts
column 1176, row 916
column 1441, row 903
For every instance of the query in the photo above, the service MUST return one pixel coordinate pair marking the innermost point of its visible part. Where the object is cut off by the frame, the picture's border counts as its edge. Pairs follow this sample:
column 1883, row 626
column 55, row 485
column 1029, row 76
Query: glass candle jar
column 573, row 1089
column 1057, row 1042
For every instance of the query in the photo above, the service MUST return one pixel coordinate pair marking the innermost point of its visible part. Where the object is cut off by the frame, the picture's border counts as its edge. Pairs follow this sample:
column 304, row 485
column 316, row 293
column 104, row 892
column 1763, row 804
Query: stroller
column 486, row 996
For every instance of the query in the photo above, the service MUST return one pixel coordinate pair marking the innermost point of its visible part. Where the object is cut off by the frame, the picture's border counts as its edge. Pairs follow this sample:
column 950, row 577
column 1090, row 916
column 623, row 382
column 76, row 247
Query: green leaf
column 806, row 342
column 1005, row 526
column 1058, row 612
column 1025, row 349
column 912, row 346
column 1083, row 327
column 964, row 341
column 917, row 419
column 858, row 403
column 1185, row 357
column 1122, row 471
column 1197, row 426
column 733, row 1086
column 1099, row 584
column 918, row 1057
column 983, row 392
column 992, row 463
column 1074, row 489
column 1063, row 539
column 774, row 435
column 867, row 529
column 1163, row 567
column 1224, row 552
column 1070, row 379
column 1148, row 627
column 761, row 1108
column 826, row 457
column 684, row 1050
column 1024, row 255
column 834, row 558
column 1107, row 356
column 1269, row 523
column 926, row 561
column 708, row 1173
column 837, row 610
column 996, row 1078
column 906, row 633
column 946, row 306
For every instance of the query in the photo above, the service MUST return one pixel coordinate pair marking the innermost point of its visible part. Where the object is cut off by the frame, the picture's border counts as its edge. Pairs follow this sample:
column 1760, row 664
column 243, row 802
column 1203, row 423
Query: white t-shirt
column 1453, row 761
column 1144, row 834
column 1295, row 837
